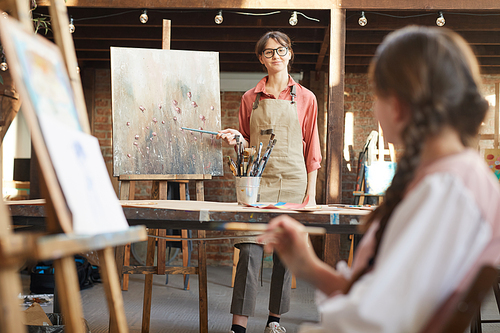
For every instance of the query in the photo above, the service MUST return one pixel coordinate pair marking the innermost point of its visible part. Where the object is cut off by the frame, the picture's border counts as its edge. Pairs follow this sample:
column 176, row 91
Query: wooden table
column 204, row 215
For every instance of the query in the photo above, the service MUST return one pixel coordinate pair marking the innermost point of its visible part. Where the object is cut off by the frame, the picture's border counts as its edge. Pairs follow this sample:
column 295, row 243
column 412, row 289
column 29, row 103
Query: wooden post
column 202, row 279
column 497, row 116
column 148, row 282
column 335, row 106
column 335, row 125
column 317, row 86
column 165, row 41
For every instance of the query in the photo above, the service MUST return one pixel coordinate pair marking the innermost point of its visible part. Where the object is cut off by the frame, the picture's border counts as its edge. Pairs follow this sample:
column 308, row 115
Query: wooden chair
column 476, row 324
column 456, row 313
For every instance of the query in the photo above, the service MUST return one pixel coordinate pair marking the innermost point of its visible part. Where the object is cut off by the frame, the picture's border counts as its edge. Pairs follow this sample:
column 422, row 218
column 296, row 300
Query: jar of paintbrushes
column 248, row 168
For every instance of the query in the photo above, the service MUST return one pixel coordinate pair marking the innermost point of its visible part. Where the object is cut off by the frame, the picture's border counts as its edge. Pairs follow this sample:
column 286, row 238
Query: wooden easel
column 372, row 156
column 495, row 136
column 361, row 195
column 61, row 244
column 159, row 192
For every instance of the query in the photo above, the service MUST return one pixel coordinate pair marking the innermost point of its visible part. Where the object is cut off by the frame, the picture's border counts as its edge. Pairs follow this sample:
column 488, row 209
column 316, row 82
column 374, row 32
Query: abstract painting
column 154, row 94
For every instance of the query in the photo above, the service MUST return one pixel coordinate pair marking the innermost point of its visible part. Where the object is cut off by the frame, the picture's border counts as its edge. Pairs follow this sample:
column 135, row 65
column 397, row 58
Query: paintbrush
column 201, row 131
column 238, row 155
column 267, row 157
column 232, row 166
column 237, row 226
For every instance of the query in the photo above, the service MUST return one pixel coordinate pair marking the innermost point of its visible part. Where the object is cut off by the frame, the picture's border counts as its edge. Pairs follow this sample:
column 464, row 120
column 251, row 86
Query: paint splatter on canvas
column 492, row 158
column 154, row 93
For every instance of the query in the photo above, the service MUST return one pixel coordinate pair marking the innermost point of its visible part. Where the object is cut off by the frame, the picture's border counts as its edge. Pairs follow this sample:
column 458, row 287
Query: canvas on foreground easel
column 41, row 78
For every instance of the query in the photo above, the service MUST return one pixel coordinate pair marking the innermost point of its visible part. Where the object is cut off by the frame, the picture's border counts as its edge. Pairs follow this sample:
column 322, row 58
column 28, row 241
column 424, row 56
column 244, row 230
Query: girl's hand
column 228, row 135
column 287, row 237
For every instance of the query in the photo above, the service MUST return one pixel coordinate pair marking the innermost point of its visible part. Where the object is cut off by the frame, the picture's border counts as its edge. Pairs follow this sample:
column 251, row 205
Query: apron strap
column 293, row 94
column 256, row 102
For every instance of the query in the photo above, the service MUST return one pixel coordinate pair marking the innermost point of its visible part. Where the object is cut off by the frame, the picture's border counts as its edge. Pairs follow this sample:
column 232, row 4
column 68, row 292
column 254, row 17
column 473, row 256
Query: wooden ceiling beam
column 376, row 37
column 223, row 58
column 419, row 4
column 197, row 18
column 454, row 21
column 369, row 50
column 200, row 4
column 289, row 4
column 324, row 47
column 193, row 34
column 231, row 48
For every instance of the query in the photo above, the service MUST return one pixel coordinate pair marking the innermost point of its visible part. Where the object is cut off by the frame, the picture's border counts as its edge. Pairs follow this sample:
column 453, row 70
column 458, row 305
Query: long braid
column 432, row 98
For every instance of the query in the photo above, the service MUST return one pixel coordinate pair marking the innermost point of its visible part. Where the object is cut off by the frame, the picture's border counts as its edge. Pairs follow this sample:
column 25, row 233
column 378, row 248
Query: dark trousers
column 246, row 282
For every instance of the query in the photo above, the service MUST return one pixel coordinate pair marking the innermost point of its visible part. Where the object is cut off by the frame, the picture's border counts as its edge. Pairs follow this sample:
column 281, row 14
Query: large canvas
column 39, row 73
column 155, row 93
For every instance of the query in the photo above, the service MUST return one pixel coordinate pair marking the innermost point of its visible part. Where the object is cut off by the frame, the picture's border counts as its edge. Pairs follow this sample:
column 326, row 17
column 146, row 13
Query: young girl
column 290, row 111
column 441, row 209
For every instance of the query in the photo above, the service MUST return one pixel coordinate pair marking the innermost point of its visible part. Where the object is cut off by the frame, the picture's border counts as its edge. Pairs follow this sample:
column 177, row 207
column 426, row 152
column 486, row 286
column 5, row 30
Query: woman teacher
column 279, row 104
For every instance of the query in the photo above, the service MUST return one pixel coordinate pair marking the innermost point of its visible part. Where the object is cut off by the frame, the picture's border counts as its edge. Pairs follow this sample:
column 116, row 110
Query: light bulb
column 440, row 21
column 77, row 70
column 218, row 18
column 144, row 17
column 362, row 21
column 4, row 66
column 71, row 26
column 293, row 19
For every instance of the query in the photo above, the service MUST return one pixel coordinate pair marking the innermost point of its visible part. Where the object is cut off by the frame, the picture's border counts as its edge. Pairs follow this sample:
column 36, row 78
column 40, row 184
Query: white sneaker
column 274, row 327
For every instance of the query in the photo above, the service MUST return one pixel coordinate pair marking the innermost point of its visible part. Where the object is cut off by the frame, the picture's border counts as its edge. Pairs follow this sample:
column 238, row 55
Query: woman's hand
column 287, row 237
column 229, row 135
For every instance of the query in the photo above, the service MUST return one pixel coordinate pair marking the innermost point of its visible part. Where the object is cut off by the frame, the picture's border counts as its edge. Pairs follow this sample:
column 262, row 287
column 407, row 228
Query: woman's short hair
column 279, row 37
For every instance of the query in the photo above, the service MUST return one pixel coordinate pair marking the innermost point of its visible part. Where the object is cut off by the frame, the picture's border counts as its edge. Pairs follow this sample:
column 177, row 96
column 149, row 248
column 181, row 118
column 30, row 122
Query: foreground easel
column 61, row 244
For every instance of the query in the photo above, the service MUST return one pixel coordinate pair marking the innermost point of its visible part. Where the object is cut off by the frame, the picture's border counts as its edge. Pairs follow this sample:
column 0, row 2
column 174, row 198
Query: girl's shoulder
column 470, row 170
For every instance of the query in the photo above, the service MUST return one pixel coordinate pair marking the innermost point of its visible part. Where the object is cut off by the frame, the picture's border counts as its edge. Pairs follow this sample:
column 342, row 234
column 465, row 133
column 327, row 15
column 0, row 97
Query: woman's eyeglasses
column 281, row 51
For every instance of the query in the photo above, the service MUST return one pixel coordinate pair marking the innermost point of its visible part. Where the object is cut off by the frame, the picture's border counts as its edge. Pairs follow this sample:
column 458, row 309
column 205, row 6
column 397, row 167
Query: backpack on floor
column 43, row 280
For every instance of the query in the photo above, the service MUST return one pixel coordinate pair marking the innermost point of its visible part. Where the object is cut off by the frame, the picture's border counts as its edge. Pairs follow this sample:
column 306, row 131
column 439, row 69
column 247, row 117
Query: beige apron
column 285, row 175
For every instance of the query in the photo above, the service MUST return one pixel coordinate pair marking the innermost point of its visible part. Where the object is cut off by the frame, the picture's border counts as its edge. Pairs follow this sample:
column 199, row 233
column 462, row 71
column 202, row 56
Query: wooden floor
column 176, row 310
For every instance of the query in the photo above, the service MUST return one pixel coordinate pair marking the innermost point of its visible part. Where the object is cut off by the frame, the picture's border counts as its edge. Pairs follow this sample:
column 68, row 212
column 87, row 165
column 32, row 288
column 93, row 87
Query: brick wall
column 358, row 103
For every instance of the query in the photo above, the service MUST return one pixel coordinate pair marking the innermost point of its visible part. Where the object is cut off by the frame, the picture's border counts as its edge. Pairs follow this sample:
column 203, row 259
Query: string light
column 218, row 18
column 71, row 26
column 144, row 16
column 293, row 19
column 3, row 65
column 440, row 21
column 362, row 21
